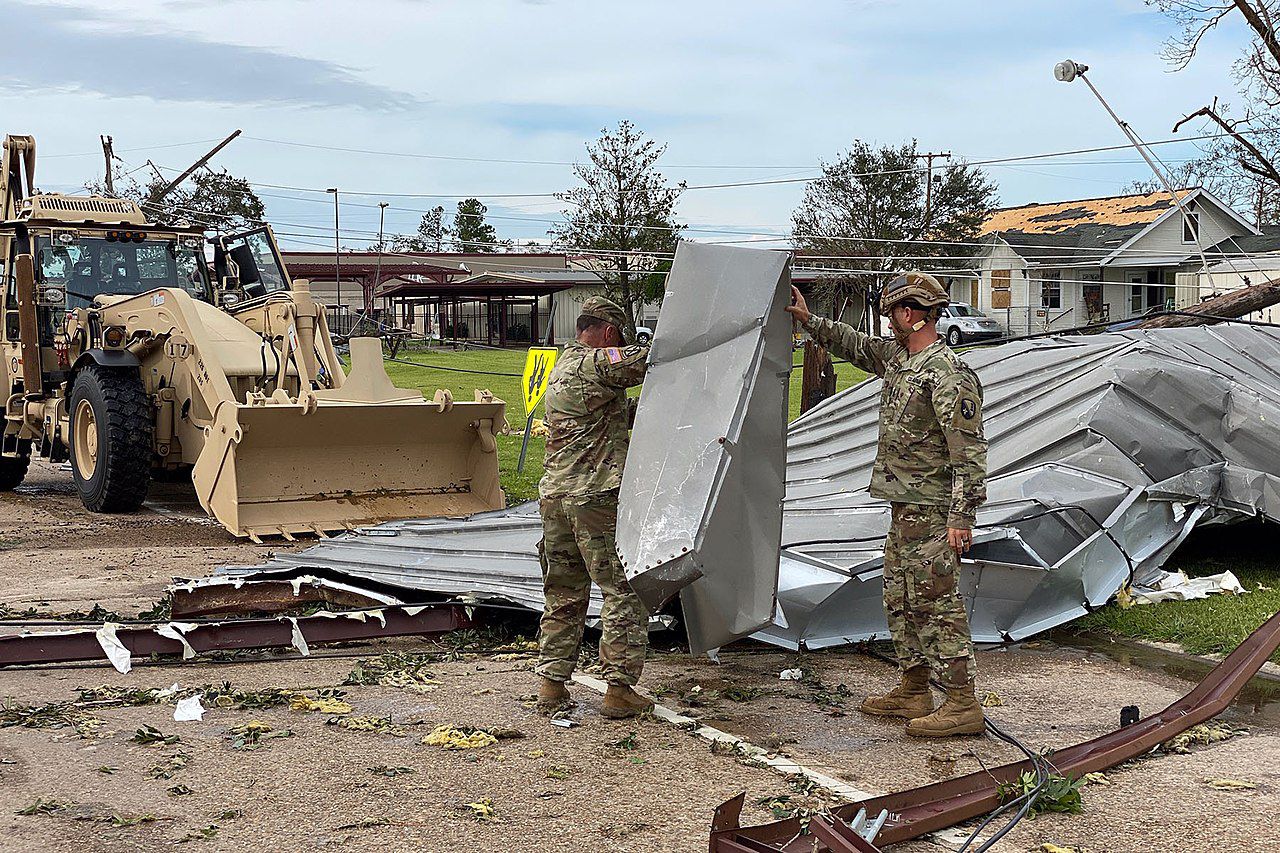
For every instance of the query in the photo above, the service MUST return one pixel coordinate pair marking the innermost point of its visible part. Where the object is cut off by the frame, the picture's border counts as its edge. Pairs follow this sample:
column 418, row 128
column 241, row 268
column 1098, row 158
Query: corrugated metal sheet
column 699, row 513
column 1105, row 451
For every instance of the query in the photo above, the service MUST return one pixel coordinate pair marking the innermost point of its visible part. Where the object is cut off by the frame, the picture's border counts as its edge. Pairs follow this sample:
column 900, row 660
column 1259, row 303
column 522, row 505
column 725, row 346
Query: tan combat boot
column 552, row 696
column 621, row 702
column 960, row 714
column 910, row 699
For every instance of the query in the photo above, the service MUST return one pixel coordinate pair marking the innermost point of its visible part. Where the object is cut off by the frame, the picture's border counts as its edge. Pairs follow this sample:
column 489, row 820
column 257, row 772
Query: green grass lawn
column 523, row 486
column 1213, row 625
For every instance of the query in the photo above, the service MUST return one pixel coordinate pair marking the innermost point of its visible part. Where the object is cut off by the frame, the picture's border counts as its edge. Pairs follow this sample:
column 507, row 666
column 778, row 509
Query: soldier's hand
column 959, row 539
column 798, row 308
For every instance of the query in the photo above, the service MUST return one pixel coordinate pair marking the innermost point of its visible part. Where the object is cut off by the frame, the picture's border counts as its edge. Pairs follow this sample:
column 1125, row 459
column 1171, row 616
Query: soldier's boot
column 910, row 699
column 552, row 696
column 621, row 702
column 960, row 714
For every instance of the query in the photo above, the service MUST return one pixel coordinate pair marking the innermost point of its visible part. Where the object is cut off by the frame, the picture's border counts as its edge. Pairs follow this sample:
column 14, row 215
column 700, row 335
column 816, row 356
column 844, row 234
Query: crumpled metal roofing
column 1105, row 451
column 699, row 507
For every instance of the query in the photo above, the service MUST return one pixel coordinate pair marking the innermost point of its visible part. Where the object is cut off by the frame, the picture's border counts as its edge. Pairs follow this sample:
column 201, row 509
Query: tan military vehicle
column 123, row 355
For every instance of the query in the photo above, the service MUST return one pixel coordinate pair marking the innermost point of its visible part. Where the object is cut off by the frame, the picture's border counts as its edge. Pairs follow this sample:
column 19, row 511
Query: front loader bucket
column 279, row 470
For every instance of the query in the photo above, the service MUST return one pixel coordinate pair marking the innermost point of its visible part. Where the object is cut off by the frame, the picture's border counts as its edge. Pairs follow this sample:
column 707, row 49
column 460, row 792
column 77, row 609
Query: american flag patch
column 614, row 354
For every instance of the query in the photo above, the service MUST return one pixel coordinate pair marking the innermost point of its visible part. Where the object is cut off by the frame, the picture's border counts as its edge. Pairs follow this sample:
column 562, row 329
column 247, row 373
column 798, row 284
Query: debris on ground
column 448, row 737
column 188, row 710
column 358, row 723
column 1098, row 778
column 1203, row 734
column 395, row 669
column 482, row 810
column 1231, row 785
column 176, row 762
column 367, row 823
column 149, row 735
column 991, row 699
column 390, row 772
column 253, row 734
column 324, row 704
column 1058, row 795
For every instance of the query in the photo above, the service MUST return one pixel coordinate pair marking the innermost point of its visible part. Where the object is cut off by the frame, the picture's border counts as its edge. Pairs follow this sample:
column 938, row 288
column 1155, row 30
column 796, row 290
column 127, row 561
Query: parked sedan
column 961, row 323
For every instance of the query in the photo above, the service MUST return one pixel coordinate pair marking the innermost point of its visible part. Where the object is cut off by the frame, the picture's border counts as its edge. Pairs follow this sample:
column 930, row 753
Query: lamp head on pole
column 1068, row 70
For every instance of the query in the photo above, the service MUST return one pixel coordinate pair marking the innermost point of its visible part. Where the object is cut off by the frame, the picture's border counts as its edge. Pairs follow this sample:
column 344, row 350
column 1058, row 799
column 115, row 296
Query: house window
column 1190, row 224
column 1051, row 290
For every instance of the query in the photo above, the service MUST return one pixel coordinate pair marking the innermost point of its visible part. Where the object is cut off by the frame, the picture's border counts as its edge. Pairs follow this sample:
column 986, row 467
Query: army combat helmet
column 918, row 288
column 605, row 309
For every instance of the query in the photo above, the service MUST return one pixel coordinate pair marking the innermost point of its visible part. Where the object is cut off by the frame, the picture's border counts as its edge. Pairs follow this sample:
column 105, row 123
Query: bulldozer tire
column 111, row 431
column 13, row 469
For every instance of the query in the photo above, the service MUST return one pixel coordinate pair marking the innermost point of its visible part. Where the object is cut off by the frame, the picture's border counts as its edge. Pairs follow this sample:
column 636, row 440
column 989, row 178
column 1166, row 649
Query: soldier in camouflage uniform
column 931, row 465
column 588, row 416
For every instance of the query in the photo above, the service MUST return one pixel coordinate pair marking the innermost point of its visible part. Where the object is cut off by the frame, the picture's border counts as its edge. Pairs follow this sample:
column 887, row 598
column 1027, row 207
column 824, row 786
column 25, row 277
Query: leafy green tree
column 216, row 199
column 624, row 210
column 875, row 212
column 471, row 233
column 430, row 236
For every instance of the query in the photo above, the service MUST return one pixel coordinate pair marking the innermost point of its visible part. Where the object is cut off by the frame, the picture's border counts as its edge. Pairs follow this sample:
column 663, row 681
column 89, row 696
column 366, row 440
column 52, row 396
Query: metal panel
column 700, row 509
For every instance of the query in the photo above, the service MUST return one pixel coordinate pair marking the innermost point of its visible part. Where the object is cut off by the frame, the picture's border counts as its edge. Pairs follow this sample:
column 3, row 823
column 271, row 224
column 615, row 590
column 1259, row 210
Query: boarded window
column 1000, row 294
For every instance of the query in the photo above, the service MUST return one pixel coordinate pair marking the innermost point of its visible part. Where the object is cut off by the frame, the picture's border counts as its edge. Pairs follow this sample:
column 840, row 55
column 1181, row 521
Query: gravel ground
column 593, row 787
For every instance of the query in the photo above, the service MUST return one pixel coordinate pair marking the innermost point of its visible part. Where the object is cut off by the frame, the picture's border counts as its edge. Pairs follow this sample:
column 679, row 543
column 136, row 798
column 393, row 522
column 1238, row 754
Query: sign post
column 537, row 371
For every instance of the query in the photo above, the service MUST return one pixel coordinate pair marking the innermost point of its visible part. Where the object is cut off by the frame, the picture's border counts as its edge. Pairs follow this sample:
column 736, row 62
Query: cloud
column 64, row 49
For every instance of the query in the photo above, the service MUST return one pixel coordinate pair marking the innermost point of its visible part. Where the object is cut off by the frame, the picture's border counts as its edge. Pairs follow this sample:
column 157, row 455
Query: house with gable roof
column 1045, row 267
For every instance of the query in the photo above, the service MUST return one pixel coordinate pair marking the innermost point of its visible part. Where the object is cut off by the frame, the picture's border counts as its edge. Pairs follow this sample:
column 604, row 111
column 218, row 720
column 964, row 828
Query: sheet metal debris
column 1105, row 452
column 914, row 812
column 145, row 640
column 699, row 509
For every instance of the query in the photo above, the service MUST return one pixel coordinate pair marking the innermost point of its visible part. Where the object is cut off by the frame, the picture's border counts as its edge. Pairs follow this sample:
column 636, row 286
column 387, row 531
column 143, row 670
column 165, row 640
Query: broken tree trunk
column 1237, row 303
column 817, row 377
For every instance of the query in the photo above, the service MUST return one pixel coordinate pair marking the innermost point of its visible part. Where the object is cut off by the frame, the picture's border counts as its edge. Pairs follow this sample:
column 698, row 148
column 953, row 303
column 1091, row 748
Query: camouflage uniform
column 931, row 465
column 588, row 416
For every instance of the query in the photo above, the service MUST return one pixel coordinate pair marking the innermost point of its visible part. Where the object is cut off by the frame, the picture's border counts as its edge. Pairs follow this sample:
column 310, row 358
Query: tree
column 216, row 199
column 622, row 216
column 430, row 237
column 1243, row 162
column 867, row 217
column 470, row 231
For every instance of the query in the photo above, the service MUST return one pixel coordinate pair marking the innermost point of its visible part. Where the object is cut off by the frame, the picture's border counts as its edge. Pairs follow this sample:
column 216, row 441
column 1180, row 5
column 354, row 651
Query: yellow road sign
column 537, row 370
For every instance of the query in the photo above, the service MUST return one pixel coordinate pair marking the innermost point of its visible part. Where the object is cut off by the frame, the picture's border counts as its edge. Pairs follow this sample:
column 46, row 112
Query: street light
column 337, row 261
column 1067, row 71
column 377, row 276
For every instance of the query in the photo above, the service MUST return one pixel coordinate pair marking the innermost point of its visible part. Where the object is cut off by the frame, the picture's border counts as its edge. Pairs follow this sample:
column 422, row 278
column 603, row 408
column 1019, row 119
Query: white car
column 644, row 335
column 962, row 323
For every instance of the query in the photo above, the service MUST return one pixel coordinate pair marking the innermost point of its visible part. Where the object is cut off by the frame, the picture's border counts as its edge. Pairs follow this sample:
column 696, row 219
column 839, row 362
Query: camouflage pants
column 927, row 616
column 577, row 548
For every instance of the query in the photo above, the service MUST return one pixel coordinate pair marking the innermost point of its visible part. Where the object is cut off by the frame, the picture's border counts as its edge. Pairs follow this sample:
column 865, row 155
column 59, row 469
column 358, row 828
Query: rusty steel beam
column 916, row 811
column 238, row 634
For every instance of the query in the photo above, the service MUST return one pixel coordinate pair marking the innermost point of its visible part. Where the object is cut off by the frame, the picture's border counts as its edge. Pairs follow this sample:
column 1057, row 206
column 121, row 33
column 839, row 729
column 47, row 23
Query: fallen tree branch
column 1237, row 303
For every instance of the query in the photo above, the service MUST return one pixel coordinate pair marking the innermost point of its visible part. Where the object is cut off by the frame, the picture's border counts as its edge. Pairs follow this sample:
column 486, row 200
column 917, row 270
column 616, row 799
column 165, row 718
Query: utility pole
column 196, row 165
column 928, row 157
column 108, row 155
column 337, row 253
column 377, row 276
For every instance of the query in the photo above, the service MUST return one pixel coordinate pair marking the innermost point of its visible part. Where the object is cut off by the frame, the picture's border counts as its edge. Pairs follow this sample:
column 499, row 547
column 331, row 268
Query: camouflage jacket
column 588, row 418
column 931, row 448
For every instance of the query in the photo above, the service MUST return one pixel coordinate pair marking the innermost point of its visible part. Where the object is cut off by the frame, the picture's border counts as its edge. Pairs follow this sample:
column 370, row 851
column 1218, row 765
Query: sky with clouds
column 739, row 91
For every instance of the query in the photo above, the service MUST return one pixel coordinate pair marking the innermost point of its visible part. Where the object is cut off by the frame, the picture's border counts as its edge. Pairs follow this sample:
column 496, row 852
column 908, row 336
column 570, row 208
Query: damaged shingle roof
column 1061, row 216
column 1069, row 230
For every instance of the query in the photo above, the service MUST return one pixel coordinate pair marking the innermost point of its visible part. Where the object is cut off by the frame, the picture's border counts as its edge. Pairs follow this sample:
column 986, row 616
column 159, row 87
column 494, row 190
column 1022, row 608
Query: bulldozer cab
column 85, row 264
column 248, row 266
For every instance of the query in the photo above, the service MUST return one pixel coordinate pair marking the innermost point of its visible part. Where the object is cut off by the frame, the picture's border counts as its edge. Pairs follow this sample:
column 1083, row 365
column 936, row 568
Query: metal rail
column 916, row 811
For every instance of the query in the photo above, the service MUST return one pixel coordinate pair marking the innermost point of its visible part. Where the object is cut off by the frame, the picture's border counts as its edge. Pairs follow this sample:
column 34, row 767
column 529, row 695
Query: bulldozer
column 127, row 356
